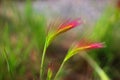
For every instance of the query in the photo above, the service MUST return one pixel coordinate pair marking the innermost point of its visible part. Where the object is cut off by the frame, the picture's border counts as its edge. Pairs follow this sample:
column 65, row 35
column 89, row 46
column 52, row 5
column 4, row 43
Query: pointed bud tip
column 97, row 45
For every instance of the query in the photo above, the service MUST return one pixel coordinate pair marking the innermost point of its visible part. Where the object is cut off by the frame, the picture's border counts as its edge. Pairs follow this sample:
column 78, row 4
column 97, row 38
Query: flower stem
column 49, row 74
column 42, row 61
column 59, row 70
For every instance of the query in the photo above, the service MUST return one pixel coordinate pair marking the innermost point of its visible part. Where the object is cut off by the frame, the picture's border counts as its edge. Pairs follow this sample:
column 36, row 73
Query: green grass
column 22, row 37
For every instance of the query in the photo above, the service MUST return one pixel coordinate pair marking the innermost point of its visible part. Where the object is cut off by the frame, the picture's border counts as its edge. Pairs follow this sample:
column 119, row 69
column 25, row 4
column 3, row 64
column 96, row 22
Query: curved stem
column 61, row 66
column 95, row 66
column 65, row 59
column 42, row 61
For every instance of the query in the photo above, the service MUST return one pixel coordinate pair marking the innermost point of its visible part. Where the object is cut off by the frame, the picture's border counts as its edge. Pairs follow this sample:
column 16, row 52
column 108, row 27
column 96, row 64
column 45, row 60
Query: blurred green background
column 23, row 32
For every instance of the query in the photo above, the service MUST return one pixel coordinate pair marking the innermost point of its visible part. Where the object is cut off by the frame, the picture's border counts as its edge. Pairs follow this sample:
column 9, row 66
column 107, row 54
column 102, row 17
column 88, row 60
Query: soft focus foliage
column 22, row 38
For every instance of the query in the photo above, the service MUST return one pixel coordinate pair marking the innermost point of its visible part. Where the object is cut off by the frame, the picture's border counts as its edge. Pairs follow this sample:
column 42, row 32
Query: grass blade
column 8, row 63
column 96, row 67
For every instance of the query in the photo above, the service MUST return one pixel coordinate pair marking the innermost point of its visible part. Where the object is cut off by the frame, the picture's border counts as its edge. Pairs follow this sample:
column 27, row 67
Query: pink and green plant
column 51, row 36
column 71, row 52
column 76, row 49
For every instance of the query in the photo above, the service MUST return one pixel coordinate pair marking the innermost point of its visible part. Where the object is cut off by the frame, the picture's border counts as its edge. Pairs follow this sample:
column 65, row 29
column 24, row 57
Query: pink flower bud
column 96, row 45
column 86, row 46
column 69, row 25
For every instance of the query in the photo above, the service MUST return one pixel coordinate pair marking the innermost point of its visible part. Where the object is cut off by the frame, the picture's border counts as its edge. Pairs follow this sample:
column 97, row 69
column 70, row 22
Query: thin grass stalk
column 61, row 66
column 95, row 66
column 59, row 70
column 49, row 74
column 8, row 64
column 42, row 61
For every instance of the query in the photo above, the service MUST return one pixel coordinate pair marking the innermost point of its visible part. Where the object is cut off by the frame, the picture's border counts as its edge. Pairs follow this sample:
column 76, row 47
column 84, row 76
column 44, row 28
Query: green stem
column 47, row 43
column 42, row 61
column 65, row 59
column 49, row 74
column 61, row 66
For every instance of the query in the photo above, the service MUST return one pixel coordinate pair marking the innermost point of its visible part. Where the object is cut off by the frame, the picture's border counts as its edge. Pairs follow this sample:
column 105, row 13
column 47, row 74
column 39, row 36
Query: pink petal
column 72, row 24
column 97, row 45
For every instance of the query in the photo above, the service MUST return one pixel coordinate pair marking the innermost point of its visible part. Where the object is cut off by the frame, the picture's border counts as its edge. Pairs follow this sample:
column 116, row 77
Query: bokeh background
column 24, row 25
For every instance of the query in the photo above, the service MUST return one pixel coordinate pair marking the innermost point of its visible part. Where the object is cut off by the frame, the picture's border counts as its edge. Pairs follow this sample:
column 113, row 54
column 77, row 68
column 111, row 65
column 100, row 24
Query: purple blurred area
column 90, row 10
